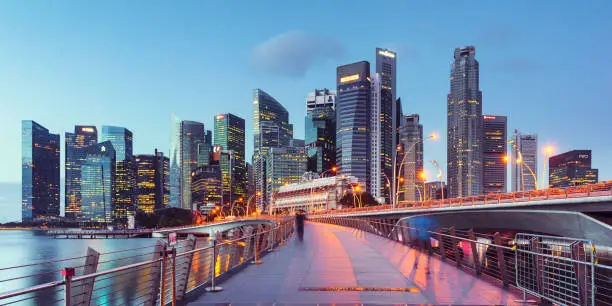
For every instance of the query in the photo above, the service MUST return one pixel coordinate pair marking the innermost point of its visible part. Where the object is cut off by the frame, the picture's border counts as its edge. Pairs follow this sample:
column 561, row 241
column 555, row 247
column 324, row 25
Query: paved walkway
column 333, row 257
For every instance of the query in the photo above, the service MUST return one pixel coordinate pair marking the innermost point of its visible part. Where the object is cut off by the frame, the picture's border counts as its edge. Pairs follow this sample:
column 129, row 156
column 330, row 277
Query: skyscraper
column 205, row 149
column 271, row 129
column 353, row 121
column 494, row 154
column 320, row 130
column 76, row 145
column 98, row 185
column 125, row 171
column 571, row 168
column 385, row 119
column 320, row 98
column 524, row 161
column 283, row 166
column 268, row 109
column 206, row 185
column 151, row 181
column 411, row 154
column 40, row 173
column 230, row 135
column 464, row 126
column 185, row 145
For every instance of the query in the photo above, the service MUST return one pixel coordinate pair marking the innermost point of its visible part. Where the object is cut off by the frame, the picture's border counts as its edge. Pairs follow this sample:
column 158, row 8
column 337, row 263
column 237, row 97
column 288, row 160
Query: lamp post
column 435, row 163
column 433, row 136
column 249, row 202
column 519, row 161
column 547, row 152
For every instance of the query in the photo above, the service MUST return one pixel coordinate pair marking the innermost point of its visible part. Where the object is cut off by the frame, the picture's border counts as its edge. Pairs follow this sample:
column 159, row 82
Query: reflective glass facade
column 386, row 62
column 320, row 140
column 266, row 108
column 571, row 168
column 98, row 185
column 75, row 148
column 151, row 181
column 187, row 140
column 125, row 171
column 283, row 166
column 464, row 126
column 230, row 135
column 40, row 173
column 411, row 142
column 495, row 153
column 353, row 120
column 524, row 173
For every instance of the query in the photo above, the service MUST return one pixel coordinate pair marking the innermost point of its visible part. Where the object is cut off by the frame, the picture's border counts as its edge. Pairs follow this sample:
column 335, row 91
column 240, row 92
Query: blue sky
column 544, row 64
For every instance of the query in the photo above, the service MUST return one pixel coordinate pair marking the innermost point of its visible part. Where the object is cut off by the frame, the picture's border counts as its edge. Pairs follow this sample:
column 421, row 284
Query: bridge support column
column 501, row 260
column 455, row 246
column 474, row 248
column 82, row 292
column 185, row 268
column 154, row 281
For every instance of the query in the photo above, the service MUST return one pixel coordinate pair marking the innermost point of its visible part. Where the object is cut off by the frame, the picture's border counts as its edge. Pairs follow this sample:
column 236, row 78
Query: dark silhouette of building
column 320, row 131
column 572, row 168
column 495, row 153
column 40, row 173
column 152, row 181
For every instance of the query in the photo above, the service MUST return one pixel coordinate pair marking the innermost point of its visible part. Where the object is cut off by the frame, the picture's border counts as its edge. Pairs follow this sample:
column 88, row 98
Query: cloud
column 294, row 53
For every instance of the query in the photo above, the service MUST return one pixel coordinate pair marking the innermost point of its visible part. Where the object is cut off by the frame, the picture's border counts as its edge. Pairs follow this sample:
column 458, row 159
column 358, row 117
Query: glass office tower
column 411, row 141
column 353, row 121
column 386, row 63
column 464, row 126
column 283, row 166
column 495, row 153
column 76, row 145
column 98, row 186
column 186, row 142
column 151, row 181
column 40, row 173
column 571, row 168
column 125, row 171
column 230, row 136
column 524, row 161
column 320, row 140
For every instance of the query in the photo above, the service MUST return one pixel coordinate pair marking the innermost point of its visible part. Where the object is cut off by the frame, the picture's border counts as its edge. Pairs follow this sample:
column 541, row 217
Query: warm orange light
column 357, row 188
column 422, row 175
column 401, row 179
column 506, row 159
column 519, row 161
column 240, row 199
column 434, row 136
column 334, row 169
column 548, row 150
column 286, row 183
column 258, row 193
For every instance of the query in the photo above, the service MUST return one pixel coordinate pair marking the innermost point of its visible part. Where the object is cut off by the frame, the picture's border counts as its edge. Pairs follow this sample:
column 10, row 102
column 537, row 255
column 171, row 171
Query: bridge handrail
column 518, row 197
column 598, row 263
column 256, row 243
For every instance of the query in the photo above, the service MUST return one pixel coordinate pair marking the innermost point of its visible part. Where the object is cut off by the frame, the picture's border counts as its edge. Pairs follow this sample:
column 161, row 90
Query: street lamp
column 433, row 136
column 435, row 163
column 249, row 202
column 333, row 169
column 519, row 161
column 547, row 152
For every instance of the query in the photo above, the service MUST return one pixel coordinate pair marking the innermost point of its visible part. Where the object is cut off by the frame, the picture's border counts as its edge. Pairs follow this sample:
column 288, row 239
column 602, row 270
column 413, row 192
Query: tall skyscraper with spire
column 464, row 126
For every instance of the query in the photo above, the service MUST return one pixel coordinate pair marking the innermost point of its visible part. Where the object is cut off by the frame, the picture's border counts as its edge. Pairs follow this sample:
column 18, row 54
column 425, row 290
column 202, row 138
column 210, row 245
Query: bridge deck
column 336, row 257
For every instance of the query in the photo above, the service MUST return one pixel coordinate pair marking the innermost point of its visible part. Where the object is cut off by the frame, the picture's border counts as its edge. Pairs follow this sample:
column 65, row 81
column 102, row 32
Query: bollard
column 68, row 273
column 213, row 287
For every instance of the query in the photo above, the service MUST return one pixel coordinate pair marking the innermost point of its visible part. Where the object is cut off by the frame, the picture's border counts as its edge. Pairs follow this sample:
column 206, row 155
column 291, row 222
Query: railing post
column 501, row 260
column 248, row 230
column 68, row 273
column 82, row 293
column 474, row 247
column 441, row 245
column 453, row 239
column 256, row 260
column 213, row 269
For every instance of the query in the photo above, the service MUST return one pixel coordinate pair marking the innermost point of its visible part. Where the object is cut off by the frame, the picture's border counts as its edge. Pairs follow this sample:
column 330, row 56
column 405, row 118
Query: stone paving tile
column 333, row 256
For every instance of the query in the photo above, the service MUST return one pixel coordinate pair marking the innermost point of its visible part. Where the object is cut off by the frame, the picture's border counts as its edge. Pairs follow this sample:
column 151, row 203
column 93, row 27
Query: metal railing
column 518, row 197
column 558, row 270
column 154, row 275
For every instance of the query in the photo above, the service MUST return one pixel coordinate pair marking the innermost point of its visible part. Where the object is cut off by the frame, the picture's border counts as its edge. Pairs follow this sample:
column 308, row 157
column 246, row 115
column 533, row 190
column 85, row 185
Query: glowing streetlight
column 547, row 153
column 399, row 148
column 506, row 159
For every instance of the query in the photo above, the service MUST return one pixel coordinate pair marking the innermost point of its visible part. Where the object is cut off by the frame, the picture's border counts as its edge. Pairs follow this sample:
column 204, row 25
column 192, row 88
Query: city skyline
column 490, row 84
